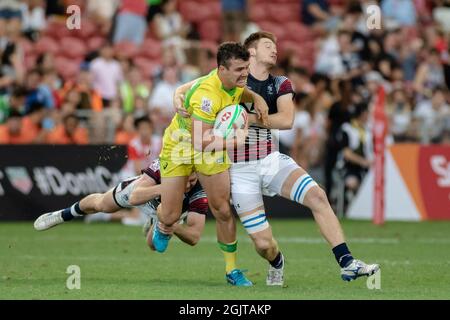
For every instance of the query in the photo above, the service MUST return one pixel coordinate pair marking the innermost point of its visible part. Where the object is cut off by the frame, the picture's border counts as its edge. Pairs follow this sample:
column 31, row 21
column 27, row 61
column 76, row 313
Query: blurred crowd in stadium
column 96, row 83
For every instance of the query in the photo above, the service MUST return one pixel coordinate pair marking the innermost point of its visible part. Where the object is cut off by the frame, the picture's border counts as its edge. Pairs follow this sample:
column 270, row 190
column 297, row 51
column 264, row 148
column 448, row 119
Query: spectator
column 296, row 140
column 131, row 23
column 359, row 41
column 11, row 56
column 357, row 150
column 171, row 29
column 338, row 114
column 38, row 92
column 126, row 131
column 142, row 149
column 106, row 75
column 314, row 134
column 402, row 12
column 441, row 14
column 320, row 96
column 102, row 12
column 14, row 102
column 132, row 88
column 314, row 11
column 433, row 116
column 328, row 59
column 26, row 129
column 69, row 132
column 89, row 98
column 319, row 16
column 154, row 7
column 349, row 58
column 233, row 18
column 34, row 22
column 430, row 75
column 300, row 80
column 161, row 100
column 399, row 111
column 11, row 16
column 12, row 132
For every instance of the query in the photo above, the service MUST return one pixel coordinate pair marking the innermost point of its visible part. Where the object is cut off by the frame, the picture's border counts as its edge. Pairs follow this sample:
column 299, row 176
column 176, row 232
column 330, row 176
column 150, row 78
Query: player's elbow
column 290, row 121
column 193, row 239
column 288, row 124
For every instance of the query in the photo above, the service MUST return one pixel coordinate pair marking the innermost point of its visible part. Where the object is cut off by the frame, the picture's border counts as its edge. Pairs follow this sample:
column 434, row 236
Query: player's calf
column 259, row 230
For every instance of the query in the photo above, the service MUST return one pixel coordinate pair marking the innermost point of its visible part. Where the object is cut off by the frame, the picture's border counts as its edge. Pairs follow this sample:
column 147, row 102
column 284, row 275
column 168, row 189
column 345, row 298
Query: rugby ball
column 229, row 119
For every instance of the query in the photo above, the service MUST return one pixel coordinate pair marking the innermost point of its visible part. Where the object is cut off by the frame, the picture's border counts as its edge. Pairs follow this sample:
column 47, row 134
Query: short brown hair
column 256, row 36
column 231, row 50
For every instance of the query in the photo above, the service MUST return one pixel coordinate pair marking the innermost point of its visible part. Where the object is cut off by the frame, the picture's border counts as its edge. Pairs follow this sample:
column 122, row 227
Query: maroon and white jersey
column 259, row 142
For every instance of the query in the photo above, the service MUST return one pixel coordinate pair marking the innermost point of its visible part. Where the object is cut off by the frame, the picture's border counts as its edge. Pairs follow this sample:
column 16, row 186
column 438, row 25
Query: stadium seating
column 72, row 47
column 210, row 30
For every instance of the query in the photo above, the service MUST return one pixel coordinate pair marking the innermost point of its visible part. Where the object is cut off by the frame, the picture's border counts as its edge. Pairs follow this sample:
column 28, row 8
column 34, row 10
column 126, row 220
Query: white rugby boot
column 275, row 277
column 48, row 220
column 358, row 268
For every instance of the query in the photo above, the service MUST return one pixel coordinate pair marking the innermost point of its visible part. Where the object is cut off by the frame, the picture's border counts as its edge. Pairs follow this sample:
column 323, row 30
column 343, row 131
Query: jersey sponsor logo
column 270, row 90
column 206, row 105
column 226, row 116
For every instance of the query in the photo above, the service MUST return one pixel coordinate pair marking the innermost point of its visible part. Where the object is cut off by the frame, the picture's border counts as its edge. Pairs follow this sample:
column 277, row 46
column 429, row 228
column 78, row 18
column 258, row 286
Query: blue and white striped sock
column 72, row 212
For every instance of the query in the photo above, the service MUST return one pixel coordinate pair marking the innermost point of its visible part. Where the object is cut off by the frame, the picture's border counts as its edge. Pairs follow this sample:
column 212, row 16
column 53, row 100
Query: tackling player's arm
column 191, row 231
column 178, row 98
column 146, row 190
column 283, row 119
column 260, row 105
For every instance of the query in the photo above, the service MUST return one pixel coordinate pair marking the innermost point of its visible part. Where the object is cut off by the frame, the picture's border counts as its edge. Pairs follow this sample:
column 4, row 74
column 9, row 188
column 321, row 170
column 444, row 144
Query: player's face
column 266, row 52
column 192, row 180
column 236, row 74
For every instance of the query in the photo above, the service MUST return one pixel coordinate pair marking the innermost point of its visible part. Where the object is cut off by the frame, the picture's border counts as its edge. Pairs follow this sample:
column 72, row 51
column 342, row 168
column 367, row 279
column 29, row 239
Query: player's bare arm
column 283, row 119
column 146, row 190
column 260, row 105
column 178, row 98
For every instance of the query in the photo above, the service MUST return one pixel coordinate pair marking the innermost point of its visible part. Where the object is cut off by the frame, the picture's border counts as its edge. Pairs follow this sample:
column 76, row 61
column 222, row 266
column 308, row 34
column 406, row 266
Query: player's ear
column 252, row 52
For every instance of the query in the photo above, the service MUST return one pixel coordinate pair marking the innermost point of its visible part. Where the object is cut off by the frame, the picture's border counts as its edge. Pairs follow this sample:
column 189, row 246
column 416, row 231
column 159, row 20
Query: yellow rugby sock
column 229, row 253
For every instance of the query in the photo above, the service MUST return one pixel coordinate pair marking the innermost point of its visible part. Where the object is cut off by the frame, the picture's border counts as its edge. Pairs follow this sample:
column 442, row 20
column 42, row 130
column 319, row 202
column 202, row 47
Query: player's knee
column 264, row 244
column 102, row 206
column 222, row 211
column 169, row 217
column 316, row 198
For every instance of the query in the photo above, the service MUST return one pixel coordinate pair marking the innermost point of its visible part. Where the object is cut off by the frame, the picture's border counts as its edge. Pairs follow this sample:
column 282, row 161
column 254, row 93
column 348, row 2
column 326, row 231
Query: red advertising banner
column 426, row 173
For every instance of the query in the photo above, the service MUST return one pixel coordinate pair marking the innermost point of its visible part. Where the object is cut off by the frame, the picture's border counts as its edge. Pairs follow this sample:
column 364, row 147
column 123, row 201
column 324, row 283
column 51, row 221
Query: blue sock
column 72, row 212
column 342, row 255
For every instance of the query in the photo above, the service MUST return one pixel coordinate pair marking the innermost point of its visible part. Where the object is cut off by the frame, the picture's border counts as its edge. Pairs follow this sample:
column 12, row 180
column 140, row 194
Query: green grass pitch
column 116, row 264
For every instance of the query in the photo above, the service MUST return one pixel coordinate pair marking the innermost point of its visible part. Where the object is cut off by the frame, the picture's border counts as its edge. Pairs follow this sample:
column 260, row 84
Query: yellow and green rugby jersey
column 206, row 98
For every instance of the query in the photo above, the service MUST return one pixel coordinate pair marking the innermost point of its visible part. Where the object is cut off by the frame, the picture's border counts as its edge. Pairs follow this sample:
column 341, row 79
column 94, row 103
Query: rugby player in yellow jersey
column 189, row 145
